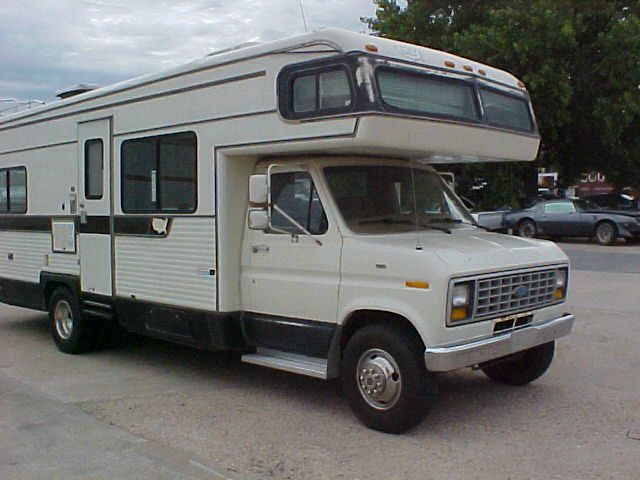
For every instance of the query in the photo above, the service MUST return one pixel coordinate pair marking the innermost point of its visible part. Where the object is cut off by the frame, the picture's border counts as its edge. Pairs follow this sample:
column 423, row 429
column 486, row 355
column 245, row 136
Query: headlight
column 460, row 302
column 561, row 284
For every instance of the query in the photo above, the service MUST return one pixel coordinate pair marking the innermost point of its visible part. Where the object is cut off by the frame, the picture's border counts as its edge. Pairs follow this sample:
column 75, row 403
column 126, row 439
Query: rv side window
column 4, row 191
column 93, row 168
column 321, row 93
column 297, row 196
column 159, row 174
column 13, row 190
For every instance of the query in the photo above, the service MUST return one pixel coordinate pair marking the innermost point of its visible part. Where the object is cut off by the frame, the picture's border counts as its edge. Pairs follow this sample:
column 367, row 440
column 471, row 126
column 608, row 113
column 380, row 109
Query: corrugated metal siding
column 29, row 250
column 169, row 270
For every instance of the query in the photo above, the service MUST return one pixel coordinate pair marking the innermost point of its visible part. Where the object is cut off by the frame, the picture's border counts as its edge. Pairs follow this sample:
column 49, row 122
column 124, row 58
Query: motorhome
column 279, row 200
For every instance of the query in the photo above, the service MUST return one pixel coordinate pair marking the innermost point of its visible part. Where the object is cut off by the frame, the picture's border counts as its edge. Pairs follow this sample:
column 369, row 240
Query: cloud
column 52, row 44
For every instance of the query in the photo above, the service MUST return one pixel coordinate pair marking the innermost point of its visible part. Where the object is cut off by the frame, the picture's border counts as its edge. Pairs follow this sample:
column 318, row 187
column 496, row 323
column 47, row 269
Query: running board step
column 92, row 312
column 289, row 362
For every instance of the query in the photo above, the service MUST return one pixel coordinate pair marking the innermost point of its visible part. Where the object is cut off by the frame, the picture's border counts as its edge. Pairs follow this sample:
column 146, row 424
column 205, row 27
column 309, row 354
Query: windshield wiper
column 435, row 227
column 385, row 221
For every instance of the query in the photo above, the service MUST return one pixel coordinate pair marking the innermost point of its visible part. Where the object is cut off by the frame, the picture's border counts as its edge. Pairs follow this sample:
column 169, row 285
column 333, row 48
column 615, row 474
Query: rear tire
column 71, row 332
column 524, row 367
column 606, row 234
column 527, row 229
column 384, row 378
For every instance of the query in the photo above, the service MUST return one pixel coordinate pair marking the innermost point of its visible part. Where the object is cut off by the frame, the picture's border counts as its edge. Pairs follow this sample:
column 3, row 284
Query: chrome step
column 289, row 362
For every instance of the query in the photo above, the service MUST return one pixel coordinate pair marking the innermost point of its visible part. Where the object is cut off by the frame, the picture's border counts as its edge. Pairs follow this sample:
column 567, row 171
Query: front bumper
column 445, row 359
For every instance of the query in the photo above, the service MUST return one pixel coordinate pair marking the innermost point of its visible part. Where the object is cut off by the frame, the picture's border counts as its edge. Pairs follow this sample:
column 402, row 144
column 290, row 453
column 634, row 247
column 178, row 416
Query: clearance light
column 449, row 63
column 468, row 68
column 458, row 314
column 416, row 284
column 520, row 84
column 371, row 47
column 482, row 72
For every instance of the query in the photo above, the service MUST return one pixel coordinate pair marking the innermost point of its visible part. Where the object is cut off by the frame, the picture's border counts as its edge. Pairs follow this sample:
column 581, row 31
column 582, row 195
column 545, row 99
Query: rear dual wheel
column 73, row 332
column 385, row 379
column 522, row 368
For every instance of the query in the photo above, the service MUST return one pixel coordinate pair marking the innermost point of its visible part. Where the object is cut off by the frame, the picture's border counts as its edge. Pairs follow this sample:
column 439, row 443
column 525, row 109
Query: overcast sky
column 46, row 45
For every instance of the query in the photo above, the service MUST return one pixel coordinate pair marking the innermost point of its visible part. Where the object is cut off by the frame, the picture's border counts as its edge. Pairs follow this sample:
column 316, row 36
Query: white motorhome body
column 130, row 203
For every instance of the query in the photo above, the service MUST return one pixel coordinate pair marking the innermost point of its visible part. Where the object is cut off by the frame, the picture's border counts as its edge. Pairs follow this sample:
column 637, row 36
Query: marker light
column 561, row 284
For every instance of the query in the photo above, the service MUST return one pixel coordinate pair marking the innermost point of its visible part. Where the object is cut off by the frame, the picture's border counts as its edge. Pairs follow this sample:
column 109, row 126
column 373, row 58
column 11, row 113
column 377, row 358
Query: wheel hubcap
column 63, row 317
column 604, row 233
column 379, row 379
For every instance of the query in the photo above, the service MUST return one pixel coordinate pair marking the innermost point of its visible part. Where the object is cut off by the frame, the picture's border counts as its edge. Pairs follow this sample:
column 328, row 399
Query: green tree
column 580, row 60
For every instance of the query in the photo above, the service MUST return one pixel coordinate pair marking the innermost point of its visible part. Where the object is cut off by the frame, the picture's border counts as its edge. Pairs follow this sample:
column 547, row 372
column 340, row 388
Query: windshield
column 380, row 199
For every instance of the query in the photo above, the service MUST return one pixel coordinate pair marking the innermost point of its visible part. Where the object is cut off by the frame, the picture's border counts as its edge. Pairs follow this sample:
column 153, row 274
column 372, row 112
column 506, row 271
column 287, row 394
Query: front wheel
column 523, row 368
column 385, row 379
column 527, row 229
column 606, row 233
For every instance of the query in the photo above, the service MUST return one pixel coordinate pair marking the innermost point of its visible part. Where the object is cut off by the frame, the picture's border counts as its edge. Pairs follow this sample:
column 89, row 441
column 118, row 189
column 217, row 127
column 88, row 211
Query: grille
column 503, row 295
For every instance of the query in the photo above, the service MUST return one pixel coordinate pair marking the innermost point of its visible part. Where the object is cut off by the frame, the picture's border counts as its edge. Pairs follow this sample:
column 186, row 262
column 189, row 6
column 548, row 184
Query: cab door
column 286, row 273
column 94, row 206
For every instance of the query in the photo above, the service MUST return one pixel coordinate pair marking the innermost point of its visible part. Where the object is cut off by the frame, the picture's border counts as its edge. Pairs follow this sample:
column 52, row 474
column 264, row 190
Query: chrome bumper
column 444, row 359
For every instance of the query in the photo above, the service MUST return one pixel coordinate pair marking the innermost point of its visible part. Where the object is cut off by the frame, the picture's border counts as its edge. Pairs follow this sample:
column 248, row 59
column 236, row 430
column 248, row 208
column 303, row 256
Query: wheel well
column 49, row 289
column 600, row 222
column 526, row 219
column 363, row 318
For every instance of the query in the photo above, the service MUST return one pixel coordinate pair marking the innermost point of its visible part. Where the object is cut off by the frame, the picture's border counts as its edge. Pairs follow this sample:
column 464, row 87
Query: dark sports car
column 574, row 218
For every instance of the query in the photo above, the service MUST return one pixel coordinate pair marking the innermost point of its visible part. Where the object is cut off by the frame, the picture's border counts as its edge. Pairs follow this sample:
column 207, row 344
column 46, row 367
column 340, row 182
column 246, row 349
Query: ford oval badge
column 520, row 291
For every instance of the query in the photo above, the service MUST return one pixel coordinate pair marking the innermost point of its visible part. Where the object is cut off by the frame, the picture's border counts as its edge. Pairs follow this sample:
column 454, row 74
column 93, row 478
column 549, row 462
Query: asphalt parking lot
column 153, row 410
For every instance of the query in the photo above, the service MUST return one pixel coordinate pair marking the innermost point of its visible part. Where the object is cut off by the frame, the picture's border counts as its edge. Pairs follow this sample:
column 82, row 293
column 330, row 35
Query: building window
column 159, row 174
column 323, row 92
column 93, row 169
column 296, row 195
column 13, row 190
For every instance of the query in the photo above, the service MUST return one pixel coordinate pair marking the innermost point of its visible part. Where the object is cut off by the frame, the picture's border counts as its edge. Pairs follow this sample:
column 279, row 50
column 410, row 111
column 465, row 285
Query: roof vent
column 75, row 90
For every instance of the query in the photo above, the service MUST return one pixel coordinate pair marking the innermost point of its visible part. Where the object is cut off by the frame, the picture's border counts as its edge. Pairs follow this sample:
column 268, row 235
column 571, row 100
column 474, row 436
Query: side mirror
column 258, row 219
column 258, row 191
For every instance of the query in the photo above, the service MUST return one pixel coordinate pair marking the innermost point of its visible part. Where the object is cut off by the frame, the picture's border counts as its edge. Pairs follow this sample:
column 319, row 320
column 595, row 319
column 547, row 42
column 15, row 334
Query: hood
column 468, row 251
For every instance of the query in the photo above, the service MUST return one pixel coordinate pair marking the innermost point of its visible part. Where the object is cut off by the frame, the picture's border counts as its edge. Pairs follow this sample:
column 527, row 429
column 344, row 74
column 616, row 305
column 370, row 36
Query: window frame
column 289, row 111
column 158, row 140
column 515, row 96
column 6, row 172
column 469, row 83
column 86, row 169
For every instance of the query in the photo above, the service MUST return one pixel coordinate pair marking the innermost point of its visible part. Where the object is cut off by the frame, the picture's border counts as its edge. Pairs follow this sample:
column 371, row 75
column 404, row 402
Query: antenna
column 415, row 199
column 304, row 20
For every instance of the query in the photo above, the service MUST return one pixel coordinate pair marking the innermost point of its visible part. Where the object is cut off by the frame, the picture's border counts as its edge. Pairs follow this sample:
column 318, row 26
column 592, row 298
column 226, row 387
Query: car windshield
column 380, row 199
column 585, row 205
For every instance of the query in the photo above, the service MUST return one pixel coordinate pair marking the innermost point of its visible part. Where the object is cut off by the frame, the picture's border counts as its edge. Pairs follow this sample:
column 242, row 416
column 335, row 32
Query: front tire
column 606, row 234
column 527, row 229
column 524, row 367
column 71, row 332
column 385, row 379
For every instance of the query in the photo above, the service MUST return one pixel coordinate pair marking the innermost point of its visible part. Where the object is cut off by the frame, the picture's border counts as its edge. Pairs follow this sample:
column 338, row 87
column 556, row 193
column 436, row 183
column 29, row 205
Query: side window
column 564, row 207
column 13, row 190
column 4, row 191
column 159, row 174
column 297, row 196
column 93, row 168
column 320, row 93
column 18, row 190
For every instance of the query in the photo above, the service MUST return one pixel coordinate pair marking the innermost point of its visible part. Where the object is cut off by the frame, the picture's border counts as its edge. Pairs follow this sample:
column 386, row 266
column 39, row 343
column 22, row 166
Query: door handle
column 259, row 248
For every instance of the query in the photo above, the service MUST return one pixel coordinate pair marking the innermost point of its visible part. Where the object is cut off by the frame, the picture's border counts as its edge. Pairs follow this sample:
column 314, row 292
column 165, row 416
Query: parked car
column 573, row 218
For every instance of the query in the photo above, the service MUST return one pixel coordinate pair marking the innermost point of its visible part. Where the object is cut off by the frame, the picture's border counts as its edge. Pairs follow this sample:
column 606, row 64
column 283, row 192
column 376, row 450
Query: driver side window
column 296, row 195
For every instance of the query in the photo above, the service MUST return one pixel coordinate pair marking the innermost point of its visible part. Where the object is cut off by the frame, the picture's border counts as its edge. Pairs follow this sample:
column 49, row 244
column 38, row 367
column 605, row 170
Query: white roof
column 341, row 41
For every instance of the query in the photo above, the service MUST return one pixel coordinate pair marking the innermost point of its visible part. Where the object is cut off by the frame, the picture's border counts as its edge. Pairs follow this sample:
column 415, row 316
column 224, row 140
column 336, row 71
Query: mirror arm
column 294, row 223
